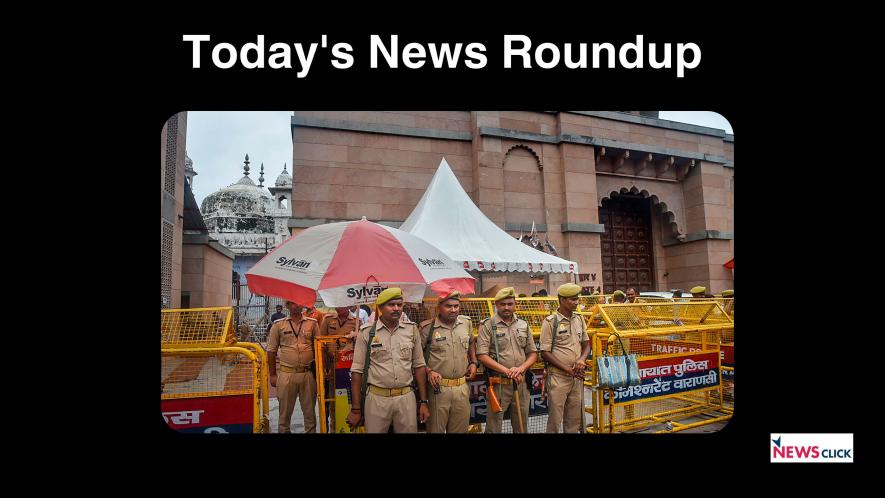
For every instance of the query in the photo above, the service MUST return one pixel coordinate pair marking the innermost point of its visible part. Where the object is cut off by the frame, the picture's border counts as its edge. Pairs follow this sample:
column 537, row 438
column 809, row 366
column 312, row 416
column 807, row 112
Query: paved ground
column 536, row 424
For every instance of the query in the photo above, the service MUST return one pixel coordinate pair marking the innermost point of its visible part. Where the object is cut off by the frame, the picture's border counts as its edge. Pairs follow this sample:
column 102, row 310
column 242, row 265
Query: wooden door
column 626, row 244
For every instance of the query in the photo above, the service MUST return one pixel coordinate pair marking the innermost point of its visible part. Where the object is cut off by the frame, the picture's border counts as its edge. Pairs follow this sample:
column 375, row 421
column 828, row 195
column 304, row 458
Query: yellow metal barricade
column 210, row 383
column 586, row 303
column 186, row 328
column 333, row 384
column 653, row 299
column 727, row 305
column 689, row 335
column 678, row 347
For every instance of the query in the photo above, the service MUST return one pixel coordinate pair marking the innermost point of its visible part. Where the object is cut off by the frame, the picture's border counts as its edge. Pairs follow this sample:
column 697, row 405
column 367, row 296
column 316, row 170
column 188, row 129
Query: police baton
column 518, row 409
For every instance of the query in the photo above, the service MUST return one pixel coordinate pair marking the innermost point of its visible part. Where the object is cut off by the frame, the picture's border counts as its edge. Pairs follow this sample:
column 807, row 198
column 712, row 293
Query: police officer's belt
column 286, row 369
column 383, row 391
column 452, row 382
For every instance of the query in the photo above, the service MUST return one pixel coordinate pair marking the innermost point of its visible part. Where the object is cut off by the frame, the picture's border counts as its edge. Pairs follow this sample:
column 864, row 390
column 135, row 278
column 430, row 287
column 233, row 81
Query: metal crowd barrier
column 678, row 347
column 210, row 382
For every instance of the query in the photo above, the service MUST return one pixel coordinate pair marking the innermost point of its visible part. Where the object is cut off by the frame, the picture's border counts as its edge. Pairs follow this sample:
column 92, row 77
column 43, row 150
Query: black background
column 786, row 382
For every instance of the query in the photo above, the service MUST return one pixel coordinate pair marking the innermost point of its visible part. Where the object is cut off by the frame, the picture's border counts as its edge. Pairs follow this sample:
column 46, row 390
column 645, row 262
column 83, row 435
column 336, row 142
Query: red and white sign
column 215, row 414
column 345, row 359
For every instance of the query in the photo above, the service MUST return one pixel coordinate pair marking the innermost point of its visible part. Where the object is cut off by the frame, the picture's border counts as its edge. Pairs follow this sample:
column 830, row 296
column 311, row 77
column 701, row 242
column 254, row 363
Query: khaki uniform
column 331, row 326
column 446, row 354
column 515, row 343
column 565, row 393
column 316, row 315
column 292, row 341
column 393, row 356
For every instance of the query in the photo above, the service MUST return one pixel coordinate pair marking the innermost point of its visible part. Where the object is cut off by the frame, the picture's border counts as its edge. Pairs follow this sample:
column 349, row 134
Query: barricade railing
column 678, row 347
column 210, row 383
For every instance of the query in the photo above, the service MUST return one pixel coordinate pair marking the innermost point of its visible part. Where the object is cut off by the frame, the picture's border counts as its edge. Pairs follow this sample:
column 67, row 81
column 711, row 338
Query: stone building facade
column 172, row 165
column 637, row 201
column 206, row 265
column 194, row 269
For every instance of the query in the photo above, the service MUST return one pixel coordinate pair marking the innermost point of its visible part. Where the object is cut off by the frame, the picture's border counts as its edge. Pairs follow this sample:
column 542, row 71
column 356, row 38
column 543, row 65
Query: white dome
column 284, row 180
column 239, row 207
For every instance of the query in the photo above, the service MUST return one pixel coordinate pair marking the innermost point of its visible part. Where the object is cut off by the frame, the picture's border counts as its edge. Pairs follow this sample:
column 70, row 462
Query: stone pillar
column 172, row 166
column 581, row 209
column 707, row 245
column 488, row 160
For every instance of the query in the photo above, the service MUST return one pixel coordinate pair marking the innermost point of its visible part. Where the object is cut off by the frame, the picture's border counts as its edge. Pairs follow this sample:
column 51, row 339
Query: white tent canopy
column 447, row 218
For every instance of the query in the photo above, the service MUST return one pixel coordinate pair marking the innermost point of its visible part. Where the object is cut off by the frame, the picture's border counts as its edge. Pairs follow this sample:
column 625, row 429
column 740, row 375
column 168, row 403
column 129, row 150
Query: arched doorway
column 627, row 259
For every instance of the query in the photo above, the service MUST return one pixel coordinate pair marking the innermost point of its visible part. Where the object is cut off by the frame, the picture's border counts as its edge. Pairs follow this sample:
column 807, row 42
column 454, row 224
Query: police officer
column 293, row 338
column 340, row 324
column 698, row 291
column 618, row 297
column 514, row 354
column 394, row 353
column 279, row 315
column 450, row 354
column 565, row 346
column 631, row 295
column 344, row 326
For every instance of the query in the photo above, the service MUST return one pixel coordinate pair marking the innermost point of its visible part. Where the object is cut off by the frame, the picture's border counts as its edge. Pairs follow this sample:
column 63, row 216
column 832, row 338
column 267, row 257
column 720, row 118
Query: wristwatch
column 425, row 401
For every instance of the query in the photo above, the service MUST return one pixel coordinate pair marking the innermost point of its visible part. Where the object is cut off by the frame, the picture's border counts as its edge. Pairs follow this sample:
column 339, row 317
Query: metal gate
column 252, row 313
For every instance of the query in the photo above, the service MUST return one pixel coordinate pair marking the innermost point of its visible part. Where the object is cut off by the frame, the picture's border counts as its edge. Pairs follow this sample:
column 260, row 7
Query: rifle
column 494, row 404
column 546, row 367
column 436, row 390
column 364, row 388
column 518, row 414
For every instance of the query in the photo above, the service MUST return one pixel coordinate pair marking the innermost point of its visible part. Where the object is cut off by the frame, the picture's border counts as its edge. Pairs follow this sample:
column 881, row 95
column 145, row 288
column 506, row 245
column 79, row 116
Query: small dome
column 240, row 207
column 284, row 180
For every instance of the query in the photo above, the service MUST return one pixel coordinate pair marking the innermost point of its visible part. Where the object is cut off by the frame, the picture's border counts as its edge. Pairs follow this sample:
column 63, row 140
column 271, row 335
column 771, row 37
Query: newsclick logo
column 815, row 448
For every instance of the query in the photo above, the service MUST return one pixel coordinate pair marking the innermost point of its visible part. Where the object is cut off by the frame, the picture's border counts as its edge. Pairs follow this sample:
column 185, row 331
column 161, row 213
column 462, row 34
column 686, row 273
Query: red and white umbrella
column 352, row 262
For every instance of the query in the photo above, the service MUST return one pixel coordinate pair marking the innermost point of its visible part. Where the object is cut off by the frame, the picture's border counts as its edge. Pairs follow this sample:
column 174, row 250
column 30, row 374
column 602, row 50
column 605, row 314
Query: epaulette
column 424, row 323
